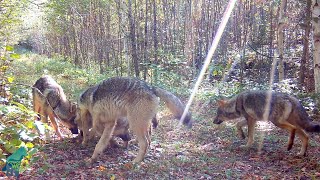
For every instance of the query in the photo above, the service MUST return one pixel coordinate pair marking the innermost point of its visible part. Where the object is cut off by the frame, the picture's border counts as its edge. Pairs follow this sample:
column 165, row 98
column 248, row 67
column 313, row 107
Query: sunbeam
column 207, row 61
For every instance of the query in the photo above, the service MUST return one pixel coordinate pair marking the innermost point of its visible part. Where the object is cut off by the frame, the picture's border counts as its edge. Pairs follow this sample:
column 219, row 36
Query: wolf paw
column 244, row 146
column 84, row 143
column 301, row 154
column 247, row 146
column 241, row 134
column 89, row 161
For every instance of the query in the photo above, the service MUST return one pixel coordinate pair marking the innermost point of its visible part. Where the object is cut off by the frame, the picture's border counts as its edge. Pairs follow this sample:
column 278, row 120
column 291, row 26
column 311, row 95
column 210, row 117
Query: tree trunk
column 145, row 53
column 155, row 39
column 281, row 26
column 132, row 36
column 315, row 9
column 305, row 55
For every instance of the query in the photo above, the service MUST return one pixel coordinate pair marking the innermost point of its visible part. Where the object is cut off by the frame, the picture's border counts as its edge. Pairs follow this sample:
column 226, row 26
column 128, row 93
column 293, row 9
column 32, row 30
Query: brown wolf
column 50, row 100
column 283, row 111
column 132, row 98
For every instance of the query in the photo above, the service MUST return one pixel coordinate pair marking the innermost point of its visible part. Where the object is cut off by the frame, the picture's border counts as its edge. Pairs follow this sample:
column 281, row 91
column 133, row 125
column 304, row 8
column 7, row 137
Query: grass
column 206, row 151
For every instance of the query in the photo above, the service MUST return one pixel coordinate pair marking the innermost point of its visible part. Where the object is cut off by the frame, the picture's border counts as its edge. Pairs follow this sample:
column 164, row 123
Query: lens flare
column 207, row 61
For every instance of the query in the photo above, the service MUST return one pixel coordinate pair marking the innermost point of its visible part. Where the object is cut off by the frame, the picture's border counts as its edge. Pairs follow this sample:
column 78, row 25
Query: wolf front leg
column 103, row 141
column 55, row 125
column 85, row 120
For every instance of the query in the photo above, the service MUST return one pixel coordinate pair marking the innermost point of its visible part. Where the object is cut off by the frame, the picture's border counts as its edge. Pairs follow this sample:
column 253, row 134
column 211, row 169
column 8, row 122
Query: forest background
column 81, row 42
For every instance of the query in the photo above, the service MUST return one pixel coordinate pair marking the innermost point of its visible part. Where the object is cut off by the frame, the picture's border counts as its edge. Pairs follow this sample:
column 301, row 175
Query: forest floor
column 206, row 151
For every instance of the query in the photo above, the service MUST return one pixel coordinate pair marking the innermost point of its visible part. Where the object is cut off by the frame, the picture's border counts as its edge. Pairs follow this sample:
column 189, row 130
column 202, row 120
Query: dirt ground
column 206, row 151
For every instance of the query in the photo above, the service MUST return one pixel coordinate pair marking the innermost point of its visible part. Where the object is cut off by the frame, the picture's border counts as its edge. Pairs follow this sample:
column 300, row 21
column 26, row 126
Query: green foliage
column 220, row 90
column 10, row 20
column 173, row 82
column 168, row 77
column 16, row 126
column 17, row 130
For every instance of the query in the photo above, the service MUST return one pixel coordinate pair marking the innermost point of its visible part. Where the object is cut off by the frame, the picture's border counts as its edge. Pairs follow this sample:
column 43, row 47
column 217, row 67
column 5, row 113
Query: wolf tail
column 305, row 121
column 174, row 105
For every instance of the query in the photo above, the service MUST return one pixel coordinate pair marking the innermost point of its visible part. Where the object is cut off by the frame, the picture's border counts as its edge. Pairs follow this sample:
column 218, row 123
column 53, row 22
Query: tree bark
column 305, row 55
column 281, row 25
column 315, row 9
column 132, row 35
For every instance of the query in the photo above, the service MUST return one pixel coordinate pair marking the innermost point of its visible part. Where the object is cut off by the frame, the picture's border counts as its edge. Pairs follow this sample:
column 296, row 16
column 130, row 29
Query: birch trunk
column 315, row 9
column 281, row 26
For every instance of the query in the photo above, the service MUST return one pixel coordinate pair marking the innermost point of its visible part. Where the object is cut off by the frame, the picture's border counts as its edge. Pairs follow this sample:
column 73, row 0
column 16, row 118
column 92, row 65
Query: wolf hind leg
column 37, row 109
column 103, row 141
column 292, row 130
column 44, row 118
column 251, row 125
column 144, row 142
column 304, row 141
column 141, row 128
column 239, row 126
column 43, row 114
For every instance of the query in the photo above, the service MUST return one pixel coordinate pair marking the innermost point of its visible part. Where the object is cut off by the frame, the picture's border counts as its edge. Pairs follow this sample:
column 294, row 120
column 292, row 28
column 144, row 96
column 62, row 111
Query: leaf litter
column 206, row 151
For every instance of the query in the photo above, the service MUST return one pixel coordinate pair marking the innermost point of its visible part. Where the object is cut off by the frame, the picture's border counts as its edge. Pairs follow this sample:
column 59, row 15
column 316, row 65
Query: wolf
column 121, row 128
column 281, row 109
column 132, row 98
column 50, row 100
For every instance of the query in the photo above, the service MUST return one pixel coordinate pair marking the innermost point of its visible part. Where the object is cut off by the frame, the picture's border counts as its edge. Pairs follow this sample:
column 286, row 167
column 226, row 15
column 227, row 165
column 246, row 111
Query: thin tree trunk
column 315, row 9
column 132, row 37
column 281, row 26
column 305, row 55
column 155, row 39
column 145, row 53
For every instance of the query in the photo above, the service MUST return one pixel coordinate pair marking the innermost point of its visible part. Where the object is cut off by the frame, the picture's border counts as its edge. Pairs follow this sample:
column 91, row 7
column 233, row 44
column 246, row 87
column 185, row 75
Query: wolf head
column 226, row 111
column 74, row 127
column 77, row 120
column 70, row 122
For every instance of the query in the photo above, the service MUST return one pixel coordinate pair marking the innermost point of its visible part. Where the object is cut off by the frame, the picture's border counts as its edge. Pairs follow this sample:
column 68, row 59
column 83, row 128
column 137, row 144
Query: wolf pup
column 281, row 109
column 132, row 98
column 50, row 100
column 121, row 128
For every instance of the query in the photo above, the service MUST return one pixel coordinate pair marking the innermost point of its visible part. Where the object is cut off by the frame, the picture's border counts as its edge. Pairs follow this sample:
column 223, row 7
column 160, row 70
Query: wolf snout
column 217, row 121
column 74, row 130
column 125, row 137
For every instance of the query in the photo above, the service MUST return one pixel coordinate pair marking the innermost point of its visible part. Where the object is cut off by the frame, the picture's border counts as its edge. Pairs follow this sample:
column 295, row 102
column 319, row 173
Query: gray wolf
column 131, row 98
column 50, row 100
column 283, row 110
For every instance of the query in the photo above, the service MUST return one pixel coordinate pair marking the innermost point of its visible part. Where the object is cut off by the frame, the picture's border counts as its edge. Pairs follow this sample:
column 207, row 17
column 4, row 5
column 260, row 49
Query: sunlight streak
column 268, row 102
column 207, row 61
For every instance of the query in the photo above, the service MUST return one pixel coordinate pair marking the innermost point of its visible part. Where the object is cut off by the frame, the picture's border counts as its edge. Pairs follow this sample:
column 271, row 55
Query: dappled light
column 159, row 89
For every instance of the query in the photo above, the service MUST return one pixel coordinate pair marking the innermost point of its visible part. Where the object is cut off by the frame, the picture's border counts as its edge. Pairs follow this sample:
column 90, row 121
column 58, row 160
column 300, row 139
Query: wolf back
column 131, row 98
